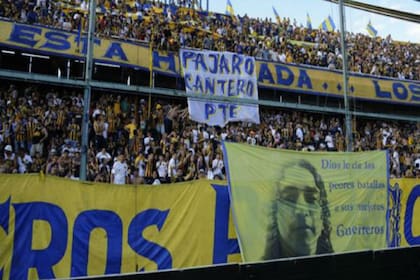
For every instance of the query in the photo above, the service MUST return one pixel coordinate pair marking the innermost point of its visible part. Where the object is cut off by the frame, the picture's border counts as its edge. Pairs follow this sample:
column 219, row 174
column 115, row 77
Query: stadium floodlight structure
column 407, row 16
column 87, row 91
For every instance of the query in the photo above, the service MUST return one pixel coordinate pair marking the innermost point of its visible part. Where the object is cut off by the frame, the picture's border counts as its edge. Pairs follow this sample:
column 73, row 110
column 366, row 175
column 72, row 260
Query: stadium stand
column 41, row 126
column 170, row 27
column 152, row 135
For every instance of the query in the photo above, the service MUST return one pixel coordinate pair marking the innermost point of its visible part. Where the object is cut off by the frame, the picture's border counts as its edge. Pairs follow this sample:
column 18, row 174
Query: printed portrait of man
column 299, row 223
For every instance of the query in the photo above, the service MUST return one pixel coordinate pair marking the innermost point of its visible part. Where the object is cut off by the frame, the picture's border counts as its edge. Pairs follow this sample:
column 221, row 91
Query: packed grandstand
column 169, row 27
column 153, row 138
column 311, row 171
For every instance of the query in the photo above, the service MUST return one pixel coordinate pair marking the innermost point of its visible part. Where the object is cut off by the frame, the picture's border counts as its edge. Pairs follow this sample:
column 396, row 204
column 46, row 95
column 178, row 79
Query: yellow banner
column 404, row 212
column 330, row 83
column 59, row 228
column 285, row 77
column 51, row 41
column 289, row 204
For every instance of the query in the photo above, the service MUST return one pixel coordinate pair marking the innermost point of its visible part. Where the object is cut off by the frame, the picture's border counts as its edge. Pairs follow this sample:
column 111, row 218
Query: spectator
column 38, row 163
column 103, row 156
column 217, row 167
column 52, row 166
column 162, row 168
column 131, row 129
column 10, row 159
column 3, row 165
column 155, row 178
column 39, row 136
column 99, row 127
column 24, row 161
column 119, row 171
column 172, row 167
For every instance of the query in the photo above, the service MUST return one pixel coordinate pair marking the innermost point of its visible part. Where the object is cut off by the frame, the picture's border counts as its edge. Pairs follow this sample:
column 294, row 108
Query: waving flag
column 276, row 15
column 229, row 9
column 328, row 24
column 371, row 30
column 308, row 22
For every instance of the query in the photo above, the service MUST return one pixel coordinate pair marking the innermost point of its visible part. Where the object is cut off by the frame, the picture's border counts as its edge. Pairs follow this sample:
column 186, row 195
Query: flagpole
column 151, row 80
column 87, row 92
column 348, row 121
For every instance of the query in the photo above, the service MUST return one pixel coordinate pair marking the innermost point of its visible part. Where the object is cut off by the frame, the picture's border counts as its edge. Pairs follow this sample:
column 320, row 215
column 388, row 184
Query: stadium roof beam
column 268, row 103
column 380, row 10
column 40, row 78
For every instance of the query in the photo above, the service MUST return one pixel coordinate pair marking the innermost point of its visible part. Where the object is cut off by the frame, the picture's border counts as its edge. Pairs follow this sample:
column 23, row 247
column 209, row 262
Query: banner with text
column 274, row 75
column 55, row 202
column 222, row 74
column 404, row 212
column 51, row 41
column 289, row 204
column 321, row 81
column 59, row 228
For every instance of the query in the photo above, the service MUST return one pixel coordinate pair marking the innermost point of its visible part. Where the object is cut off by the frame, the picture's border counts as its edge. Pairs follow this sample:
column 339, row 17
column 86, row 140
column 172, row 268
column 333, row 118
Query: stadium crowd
column 170, row 27
column 128, row 143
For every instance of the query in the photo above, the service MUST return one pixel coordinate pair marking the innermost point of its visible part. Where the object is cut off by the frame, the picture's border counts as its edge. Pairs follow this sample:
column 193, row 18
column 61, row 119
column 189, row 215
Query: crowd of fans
column 139, row 141
column 40, row 131
column 170, row 27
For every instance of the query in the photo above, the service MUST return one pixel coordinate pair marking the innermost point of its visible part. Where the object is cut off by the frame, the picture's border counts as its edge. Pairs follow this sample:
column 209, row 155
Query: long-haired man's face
column 299, row 212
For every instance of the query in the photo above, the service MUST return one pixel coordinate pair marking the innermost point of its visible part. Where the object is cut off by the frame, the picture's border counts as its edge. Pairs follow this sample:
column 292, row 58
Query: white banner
column 222, row 74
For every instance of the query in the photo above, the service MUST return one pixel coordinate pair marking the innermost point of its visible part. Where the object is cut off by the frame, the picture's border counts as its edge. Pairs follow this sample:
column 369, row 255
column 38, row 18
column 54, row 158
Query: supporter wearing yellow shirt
column 289, row 57
column 117, row 106
column 131, row 127
column 410, row 140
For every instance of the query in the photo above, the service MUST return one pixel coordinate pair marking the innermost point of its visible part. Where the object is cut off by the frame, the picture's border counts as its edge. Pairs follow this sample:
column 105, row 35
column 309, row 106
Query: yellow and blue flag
column 371, row 30
column 276, row 15
column 328, row 24
column 308, row 22
column 101, row 9
column 229, row 9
